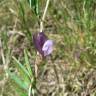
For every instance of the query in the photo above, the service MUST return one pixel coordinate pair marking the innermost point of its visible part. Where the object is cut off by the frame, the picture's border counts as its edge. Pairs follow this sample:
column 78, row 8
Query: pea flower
column 42, row 44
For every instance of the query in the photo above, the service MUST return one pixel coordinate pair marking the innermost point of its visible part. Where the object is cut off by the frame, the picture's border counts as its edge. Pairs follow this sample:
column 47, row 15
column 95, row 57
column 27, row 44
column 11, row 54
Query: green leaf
column 17, row 80
column 22, row 67
column 22, row 11
column 34, row 4
column 27, row 64
column 21, row 92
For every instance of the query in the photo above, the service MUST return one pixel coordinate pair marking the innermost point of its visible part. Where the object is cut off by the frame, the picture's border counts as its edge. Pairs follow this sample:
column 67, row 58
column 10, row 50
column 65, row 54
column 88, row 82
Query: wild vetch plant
column 42, row 44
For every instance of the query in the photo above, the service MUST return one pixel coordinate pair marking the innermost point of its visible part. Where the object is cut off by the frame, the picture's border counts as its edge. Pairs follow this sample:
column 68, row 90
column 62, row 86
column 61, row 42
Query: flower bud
column 42, row 44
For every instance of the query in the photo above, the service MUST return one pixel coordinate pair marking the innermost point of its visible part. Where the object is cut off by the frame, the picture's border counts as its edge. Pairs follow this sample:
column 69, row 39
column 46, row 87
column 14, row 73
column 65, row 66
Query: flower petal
column 47, row 47
column 42, row 38
column 39, row 40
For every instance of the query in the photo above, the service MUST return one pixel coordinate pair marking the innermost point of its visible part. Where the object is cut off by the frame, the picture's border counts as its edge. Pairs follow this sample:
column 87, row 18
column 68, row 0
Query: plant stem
column 46, row 7
column 44, row 14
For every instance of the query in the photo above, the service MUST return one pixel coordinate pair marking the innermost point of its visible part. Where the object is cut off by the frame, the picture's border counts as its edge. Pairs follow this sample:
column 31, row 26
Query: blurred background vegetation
column 71, row 70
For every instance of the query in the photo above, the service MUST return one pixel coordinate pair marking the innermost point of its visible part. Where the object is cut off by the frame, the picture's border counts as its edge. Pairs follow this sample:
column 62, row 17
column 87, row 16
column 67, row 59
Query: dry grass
column 71, row 70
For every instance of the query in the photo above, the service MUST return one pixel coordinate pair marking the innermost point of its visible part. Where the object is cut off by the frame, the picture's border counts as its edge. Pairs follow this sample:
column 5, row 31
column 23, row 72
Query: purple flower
column 47, row 47
column 43, row 45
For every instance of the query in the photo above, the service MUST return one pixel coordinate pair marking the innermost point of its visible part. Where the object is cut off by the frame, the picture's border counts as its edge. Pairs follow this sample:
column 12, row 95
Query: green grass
column 70, row 71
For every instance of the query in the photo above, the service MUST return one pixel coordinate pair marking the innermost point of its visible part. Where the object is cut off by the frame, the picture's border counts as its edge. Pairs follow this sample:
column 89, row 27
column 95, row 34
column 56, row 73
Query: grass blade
column 27, row 64
column 22, row 67
column 17, row 80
